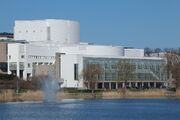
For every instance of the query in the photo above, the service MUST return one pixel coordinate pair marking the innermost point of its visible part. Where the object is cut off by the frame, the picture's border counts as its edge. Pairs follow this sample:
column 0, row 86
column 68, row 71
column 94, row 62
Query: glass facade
column 75, row 71
column 144, row 69
column 13, row 65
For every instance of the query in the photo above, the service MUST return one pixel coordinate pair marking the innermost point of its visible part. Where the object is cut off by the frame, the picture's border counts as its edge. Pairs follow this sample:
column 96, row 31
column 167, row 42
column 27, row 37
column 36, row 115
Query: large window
column 145, row 69
column 75, row 71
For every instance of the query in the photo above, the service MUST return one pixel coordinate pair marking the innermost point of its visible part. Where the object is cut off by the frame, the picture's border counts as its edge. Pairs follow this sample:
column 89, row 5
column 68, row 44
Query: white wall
column 67, row 70
column 93, row 50
column 15, row 51
column 30, row 30
column 60, row 31
column 134, row 52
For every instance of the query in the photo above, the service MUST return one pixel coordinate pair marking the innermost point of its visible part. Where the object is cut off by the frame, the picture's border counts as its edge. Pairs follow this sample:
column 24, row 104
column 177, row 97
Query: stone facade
column 3, row 57
column 43, row 70
column 3, row 51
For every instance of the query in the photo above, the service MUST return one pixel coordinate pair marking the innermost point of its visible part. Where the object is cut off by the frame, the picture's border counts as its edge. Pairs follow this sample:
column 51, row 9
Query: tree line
column 149, row 51
column 172, row 56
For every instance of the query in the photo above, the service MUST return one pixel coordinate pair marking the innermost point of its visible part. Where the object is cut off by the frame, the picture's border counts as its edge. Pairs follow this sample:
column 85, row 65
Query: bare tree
column 157, row 50
column 147, row 51
column 173, row 64
column 179, row 51
column 91, row 74
column 125, row 71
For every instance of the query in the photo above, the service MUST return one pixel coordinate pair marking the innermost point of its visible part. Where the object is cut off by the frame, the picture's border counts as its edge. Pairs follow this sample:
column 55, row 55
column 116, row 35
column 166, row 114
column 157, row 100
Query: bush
column 7, row 77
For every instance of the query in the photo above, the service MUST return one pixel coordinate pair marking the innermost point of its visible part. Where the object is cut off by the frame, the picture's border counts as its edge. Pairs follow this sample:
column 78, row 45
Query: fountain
column 50, row 88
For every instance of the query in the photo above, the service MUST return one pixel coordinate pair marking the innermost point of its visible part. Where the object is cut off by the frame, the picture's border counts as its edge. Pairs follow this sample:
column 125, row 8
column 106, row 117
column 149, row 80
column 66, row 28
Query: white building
column 45, row 38
column 22, row 57
column 72, row 66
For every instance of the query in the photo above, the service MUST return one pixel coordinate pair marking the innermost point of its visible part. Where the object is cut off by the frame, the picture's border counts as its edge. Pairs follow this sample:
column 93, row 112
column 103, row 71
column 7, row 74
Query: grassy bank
column 10, row 95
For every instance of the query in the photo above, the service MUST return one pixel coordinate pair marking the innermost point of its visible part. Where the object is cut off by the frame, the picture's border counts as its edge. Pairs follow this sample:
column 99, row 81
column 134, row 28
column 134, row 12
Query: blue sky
column 132, row 23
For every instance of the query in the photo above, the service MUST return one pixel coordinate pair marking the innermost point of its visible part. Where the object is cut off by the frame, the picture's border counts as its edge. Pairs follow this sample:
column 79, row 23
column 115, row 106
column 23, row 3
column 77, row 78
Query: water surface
column 103, row 109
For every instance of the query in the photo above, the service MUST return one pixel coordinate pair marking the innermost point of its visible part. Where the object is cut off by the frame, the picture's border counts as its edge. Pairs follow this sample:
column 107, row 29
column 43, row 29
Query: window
column 48, row 33
column 29, row 65
column 75, row 71
column 22, row 56
column 40, row 63
column 21, row 65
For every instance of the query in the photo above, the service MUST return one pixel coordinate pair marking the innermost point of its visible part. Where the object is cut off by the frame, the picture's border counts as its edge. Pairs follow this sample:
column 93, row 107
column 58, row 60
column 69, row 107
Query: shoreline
column 10, row 96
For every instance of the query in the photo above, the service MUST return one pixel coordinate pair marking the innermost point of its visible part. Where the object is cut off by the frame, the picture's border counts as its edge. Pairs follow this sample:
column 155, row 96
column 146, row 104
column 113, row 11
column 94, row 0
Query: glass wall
column 144, row 69
column 75, row 71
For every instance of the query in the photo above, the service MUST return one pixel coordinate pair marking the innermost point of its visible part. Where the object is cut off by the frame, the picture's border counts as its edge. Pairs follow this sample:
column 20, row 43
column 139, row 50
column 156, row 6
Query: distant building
column 5, row 36
column 4, row 53
column 56, row 44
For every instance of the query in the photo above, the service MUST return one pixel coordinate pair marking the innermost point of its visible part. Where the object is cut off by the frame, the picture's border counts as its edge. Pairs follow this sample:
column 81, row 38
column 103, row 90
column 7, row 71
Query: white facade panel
column 94, row 50
column 13, row 52
column 134, row 52
column 30, row 30
column 59, row 31
column 67, row 70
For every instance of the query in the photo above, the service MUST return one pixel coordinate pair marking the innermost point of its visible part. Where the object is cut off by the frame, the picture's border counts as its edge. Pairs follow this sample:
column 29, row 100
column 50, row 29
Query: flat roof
column 14, row 41
column 123, row 57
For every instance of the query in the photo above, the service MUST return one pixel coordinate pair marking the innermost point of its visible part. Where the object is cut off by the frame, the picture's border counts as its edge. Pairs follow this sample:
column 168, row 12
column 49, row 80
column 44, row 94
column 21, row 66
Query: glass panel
column 21, row 65
column 145, row 69
column 12, row 65
column 75, row 71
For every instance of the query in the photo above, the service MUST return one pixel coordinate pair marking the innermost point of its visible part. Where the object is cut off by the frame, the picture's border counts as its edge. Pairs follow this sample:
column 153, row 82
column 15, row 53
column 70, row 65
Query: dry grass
column 178, row 93
column 156, row 93
column 32, row 96
column 9, row 95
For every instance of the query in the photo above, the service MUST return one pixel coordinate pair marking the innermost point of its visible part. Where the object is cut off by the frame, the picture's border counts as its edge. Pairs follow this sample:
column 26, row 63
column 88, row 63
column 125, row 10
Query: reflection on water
column 119, row 109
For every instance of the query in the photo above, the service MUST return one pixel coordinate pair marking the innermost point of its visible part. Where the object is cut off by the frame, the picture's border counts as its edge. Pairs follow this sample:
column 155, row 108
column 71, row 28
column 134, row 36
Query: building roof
column 8, row 35
column 14, row 41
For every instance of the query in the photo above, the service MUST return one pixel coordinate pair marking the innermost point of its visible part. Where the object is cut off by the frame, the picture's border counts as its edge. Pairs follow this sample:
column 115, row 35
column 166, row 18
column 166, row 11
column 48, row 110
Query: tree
column 179, row 51
column 173, row 65
column 125, row 71
column 157, row 50
column 147, row 51
column 91, row 74
column 176, row 74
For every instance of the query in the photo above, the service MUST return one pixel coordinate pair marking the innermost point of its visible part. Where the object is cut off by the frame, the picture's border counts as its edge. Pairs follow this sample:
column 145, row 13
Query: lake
column 102, row 109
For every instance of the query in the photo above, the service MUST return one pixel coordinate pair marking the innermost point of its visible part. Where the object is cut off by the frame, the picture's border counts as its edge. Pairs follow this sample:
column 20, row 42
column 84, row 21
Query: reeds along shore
column 10, row 95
